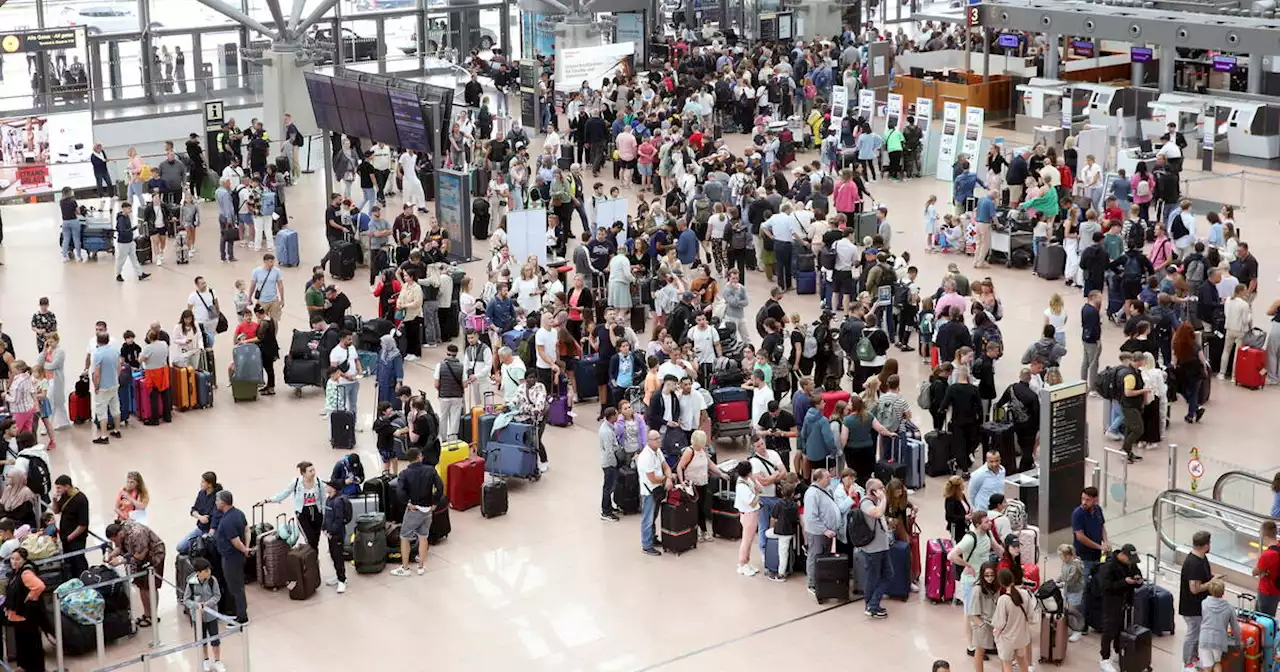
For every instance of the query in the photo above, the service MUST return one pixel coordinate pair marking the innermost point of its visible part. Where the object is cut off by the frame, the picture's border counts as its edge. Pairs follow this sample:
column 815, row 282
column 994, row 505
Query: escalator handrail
column 1220, row 484
column 1210, row 506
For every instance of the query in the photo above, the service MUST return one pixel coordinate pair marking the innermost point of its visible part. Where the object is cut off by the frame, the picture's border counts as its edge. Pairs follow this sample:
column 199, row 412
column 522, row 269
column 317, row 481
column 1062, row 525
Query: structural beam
column 314, row 17
column 296, row 15
column 240, row 17
column 273, row 6
column 1240, row 34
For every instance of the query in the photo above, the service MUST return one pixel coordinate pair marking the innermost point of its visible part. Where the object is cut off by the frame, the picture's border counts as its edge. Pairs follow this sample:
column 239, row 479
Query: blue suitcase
column 900, row 559
column 1153, row 609
column 518, row 433
column 509, row 459
column 772, row 562
column 287, row 247
column 512, row 338
column 723, row 394
column 128, row 405
column 807, row 282
column 585, row 374
column 486, row 431
column 368, row 362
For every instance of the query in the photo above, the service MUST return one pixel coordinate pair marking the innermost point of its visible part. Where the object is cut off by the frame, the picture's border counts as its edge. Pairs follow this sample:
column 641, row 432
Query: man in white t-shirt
column 692, row 407
column 99, row 327
column 766, row 470
column 204, row 305
column 544, row 359
column 676, row 366
column 654, row 473
column 706, row 347
column 1091, row 181
column 761, row 395
column 344, row 357
column 846, row 257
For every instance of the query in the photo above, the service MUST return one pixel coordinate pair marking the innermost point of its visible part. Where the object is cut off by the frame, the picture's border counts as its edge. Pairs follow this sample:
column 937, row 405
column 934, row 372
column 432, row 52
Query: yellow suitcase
column 450, row 452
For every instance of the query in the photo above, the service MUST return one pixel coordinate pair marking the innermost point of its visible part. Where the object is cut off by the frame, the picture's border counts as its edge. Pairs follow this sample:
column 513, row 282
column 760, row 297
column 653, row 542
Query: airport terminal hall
column 488, row 334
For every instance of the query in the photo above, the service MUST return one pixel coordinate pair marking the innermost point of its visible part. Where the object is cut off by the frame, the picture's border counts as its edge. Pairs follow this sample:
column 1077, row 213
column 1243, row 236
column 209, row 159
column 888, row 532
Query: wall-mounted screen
column 1140, row 54
column 1009, row 40
column 375, row 99
column 323, row 104
column 1224, row 63
column 346, row 93
column 406, row 108
column 1082, row 48
column 354, row 122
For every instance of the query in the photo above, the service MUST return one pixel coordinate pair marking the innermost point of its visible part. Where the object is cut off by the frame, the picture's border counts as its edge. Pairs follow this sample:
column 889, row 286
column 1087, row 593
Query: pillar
column 284, row 91
column 1137, row 73
column 986, row 54
column 1166, row 70
column 1254, row 83
column 1051, row 56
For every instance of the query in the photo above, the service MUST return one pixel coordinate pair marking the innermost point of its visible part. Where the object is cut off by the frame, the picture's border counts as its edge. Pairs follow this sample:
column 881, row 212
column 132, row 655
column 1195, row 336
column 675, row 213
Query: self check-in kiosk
column 1185, row 110
column 1039, row 104
column 1252, row 129
column 1105, row 108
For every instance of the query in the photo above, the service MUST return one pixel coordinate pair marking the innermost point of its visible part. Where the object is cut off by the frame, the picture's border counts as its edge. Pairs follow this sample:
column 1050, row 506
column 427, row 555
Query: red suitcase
column 733, row 411
column 79, row 408
column 1251, row 368
column 465, row 482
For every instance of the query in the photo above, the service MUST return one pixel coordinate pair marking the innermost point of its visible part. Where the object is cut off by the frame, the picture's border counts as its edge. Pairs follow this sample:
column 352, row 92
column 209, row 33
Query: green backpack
column 865, row 351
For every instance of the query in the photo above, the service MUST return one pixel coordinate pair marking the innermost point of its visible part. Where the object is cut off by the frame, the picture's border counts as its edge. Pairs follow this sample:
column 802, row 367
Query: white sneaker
column 410, row 358
column 748, row 570
column 160, row 260
column 207, row 666
column 331, row 582
column 1114, row 437
column 342, row 587
column 400, row 571
column 915, row 588
column 218, row 666
column 1107, row 666
column 742, row 569
column 543, row 467
column 1074, row 637
column 1222, row 376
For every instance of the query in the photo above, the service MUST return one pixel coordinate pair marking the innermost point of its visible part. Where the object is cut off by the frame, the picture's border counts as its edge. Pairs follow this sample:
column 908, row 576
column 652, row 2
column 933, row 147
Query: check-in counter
column 992, row 95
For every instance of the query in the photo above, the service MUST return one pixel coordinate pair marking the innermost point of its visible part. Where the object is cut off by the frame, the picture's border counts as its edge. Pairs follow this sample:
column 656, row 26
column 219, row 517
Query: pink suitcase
column 142, row 401
column 939, row 574
column 1029, row 545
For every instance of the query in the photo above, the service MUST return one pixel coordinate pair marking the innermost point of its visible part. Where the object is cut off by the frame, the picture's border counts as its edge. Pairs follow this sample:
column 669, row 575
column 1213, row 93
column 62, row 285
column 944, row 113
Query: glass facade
column 140, row 52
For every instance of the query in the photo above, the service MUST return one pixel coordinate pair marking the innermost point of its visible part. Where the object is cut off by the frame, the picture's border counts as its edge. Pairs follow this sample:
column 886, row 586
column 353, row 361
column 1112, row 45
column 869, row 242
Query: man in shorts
column 421, row 489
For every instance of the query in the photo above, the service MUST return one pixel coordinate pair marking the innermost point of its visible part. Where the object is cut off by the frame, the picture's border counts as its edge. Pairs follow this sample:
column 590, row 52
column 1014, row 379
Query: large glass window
column 258, row 9
column 176, row 70
column 98, row 18
column 401, row 34
column 220, row 56
column 490, row 31
column 120, row 64
column 360, row 47
column 169, row 14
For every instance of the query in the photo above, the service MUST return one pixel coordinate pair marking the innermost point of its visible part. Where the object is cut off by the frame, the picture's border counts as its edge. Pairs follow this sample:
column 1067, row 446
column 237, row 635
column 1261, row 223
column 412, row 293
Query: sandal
column 144, row 622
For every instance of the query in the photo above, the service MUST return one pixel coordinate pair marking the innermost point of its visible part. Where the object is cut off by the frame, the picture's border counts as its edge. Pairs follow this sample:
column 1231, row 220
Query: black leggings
column 869, row 166
column 704, row 493
column 270, row 368
column 862, row 461
column 309, row 519
column 413, row 336
column 542, row 448
column 738, row 260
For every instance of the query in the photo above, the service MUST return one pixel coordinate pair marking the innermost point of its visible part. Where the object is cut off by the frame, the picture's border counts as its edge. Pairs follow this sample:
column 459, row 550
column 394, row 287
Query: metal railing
column 1107, row 453
column 233, row 627
column 1220, row 485
column 1184, row 503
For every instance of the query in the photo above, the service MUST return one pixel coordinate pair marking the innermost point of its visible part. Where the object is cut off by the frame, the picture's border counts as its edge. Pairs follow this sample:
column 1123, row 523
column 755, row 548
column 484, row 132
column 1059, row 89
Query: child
column 202, row 591
column 1071, row 580
column 785, row 520
column 247, row 329
column 44, row 408
column 955, row 241
column 931, row 223
column 130, row 351
column 1220, row 629
column 391, row 448
column 334, row 398
column 241, row 298
column 925, row 323
column 1039, row 235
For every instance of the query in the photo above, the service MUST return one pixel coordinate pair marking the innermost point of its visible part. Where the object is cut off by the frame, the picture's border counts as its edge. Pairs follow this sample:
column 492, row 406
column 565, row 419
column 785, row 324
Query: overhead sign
column 214, row 115
column 41, row 40
column 973, row 16
column 590, row 64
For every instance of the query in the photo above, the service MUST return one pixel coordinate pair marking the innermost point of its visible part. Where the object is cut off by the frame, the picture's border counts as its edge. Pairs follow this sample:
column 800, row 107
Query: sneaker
column 160, row 260
column 1222, row 376
column 116, row 435
column 543, row 467
column 915, row 588
column 421, row 570
column 331, row 582
column 742, row 569
column 342, row 587
column 218, row 666
column 400, row 571
column 207, row 666
column 120, row 278
column 1114, row 437
column 609, row 517
column 812, row 592
column 143, row 276
column 1107, row 666
column 748, row 570
column 1074, row 637
column 775, row 577
column 651, row 551
column 868, row 613
column 1199, row 414
column 102, row 441
column 880, row 613
column 410, row 358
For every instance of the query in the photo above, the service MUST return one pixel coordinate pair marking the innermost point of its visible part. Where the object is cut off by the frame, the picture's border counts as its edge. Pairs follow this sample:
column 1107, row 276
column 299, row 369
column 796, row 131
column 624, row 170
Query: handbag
column 222, row 325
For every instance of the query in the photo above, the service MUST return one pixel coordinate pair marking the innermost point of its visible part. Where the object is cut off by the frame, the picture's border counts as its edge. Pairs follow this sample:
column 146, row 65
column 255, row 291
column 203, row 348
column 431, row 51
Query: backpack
column 702, row 213
column 810, row 346
column 827, row 185
column 527, row 351
column 761, row 316
column 39, row 479
column 1133, row 269
column 1017, row 410
column 1107, row 381
column 858, row 529
column 1136, row 235
column 924, row 398
column 1196, row 273
column 1144, row 188
column 865, row 350
column 235, row 199
column 1016, row 512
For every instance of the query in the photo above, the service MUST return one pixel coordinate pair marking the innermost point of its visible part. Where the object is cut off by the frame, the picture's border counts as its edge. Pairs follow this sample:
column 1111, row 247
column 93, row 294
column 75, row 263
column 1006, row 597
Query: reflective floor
column 548, row 586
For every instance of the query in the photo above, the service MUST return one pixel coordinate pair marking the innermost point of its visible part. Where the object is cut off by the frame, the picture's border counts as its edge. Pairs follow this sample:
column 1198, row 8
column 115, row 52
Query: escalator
column 1178, row 514
column 1245, row 490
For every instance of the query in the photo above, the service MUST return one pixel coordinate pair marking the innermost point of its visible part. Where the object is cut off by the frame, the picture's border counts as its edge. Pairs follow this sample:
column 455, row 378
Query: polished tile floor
column 549, row 586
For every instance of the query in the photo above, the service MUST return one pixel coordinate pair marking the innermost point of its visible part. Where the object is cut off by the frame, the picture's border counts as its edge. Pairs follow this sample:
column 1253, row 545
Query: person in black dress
column 269, row 346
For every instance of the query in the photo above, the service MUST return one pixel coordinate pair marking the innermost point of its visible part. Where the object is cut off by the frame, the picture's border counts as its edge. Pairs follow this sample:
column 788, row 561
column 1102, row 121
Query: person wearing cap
column 336, row 305
column 1117, row 579
column 337, row 515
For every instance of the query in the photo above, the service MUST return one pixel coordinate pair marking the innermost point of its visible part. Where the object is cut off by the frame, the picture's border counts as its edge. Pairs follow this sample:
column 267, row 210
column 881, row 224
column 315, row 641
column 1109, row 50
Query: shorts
column 1210, row 657
column 211, row 629
column 394, row 450
column 157, row 564
column 646, row 169
column 844, row 282
column 46, row 408
column 416, row 524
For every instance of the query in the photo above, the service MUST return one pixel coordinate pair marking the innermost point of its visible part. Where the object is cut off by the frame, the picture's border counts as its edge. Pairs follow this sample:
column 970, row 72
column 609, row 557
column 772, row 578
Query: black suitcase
column 440, row 525
column 282, row 166
column 626, row 490
column 806, row 262
column 1135, row 649
column 886, row 471
column 493, row 499
column 999, row 436
column 1052, row 262
column 938, row 460
column 343, row 259
column 1214, row 343
column 638, row 319
column 831, row 576
column 726, row 522
column 369, row 551
column 300, row 372
column 679, row 525
column 565, row 162
column 342, row 430
column 142, row 247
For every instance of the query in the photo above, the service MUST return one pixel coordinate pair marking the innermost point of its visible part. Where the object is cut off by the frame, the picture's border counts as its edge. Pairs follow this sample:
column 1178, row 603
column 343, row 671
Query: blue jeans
column 879, row 573
column 1117, row 418
column 135, row 190
column 369, row 197
column 352, row 393
column 782, row 267
column 71, row 239
column 185, row 544
column 766, row 512
column 647, row 506
column 606, row 496
column 1192, row 393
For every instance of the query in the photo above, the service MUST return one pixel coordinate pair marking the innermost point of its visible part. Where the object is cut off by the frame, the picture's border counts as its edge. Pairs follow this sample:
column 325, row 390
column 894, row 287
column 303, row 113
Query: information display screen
column 1082, row 48
column 411, row 124
column 376, row 100
column 323, row 104
column 1009, row 40
column 1224, row 63
column 354, row 123
column 1140, row 54
column 346, row 94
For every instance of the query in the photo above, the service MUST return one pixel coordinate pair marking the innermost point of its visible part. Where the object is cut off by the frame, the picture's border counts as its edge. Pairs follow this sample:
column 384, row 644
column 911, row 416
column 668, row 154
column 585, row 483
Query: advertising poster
column 42, row 154
column 866, row 104
column 538, row 34
column 924, row 114
column 630, row 28
column 453, row 210
column 591, row 64
column 893, row 118
column 527, row 234
column 973, row 120
column 839, row 101
column 950, row 139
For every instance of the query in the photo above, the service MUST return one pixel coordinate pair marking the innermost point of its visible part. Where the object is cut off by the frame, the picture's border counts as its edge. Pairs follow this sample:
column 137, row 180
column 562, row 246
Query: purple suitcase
column 558, row 411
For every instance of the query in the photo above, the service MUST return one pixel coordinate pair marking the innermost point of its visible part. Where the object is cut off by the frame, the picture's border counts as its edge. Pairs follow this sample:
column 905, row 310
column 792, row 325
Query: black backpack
column 39, row 480
column 858, row 529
